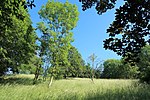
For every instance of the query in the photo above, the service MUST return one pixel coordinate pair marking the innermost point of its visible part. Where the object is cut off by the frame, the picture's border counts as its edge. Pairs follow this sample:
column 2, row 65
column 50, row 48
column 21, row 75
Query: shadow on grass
column 20, row 81
column 139, row 93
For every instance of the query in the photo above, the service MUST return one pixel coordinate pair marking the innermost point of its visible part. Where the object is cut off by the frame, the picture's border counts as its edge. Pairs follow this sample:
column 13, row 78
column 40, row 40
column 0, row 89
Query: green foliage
column 31, row 67
column 98, row 71
column 58, row 20
column 77, row 67
column 101, row 5
column 76, row 63
column 117, row 69
column 17, row 39
column 29, row 3
column 144, row 64
column 57, row 72
column 129, row 30
column 111, row 68
column 127, row 34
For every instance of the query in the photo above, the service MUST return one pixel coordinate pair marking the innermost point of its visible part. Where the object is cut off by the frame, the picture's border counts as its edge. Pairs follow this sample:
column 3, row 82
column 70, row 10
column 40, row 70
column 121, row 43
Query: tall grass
column 77, row 89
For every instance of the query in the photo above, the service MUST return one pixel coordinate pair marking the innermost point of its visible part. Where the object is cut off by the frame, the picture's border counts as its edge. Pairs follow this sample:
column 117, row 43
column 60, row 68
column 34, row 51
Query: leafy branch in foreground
column 131, row 28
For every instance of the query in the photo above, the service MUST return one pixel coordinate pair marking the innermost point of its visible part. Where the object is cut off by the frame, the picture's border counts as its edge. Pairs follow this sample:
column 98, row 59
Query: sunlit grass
column 76, row 89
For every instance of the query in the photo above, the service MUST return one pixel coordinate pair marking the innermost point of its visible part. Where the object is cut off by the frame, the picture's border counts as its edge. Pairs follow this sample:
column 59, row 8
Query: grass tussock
column 75, row 89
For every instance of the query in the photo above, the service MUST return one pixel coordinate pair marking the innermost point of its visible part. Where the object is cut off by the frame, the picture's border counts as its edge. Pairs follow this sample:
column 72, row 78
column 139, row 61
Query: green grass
column 73, row 89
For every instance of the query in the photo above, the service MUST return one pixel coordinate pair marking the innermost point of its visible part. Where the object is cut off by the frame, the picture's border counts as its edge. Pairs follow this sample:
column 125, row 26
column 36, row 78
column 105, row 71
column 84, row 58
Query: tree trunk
column 92, row 77
column 51, row 80
column 36, row 75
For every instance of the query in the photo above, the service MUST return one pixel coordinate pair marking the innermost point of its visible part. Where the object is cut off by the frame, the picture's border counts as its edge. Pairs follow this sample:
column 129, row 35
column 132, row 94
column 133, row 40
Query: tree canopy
column 58, row 20
column 77, row 64
column 17, row 39
column 114, row 68
column 144, row 64
column 127, row 34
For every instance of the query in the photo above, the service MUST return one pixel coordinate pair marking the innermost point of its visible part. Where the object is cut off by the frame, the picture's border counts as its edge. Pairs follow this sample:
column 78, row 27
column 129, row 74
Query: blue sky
column 90, row 31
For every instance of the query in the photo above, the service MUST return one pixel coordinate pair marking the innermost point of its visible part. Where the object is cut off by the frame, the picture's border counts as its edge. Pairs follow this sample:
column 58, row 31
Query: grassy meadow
column 19, row 87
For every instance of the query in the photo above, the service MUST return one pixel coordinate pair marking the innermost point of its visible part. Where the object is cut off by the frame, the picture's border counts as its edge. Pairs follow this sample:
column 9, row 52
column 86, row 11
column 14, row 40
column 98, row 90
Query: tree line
column 53, row 55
